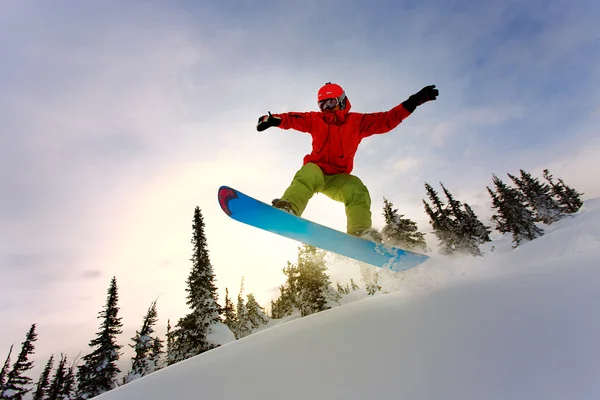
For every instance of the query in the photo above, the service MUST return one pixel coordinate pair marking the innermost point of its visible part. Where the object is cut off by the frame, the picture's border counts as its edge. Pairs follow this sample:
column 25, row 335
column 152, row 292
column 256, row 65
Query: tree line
column 519, row 209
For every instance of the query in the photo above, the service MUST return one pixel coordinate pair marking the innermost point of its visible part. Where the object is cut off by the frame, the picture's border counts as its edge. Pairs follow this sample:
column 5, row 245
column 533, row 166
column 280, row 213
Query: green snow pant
column 344, row 188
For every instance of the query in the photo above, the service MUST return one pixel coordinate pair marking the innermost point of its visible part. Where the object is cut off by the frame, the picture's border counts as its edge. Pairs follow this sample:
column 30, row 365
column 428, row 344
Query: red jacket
column 336, row 136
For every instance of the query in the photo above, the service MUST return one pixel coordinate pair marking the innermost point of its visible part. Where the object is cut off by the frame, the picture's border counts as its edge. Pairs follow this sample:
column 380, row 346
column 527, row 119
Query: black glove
column 424, row 95
column 267, row 121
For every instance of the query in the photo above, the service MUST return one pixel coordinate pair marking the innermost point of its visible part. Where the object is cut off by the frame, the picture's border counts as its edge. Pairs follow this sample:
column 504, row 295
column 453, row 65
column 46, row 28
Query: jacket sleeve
column 299, row 121
column 382, row 122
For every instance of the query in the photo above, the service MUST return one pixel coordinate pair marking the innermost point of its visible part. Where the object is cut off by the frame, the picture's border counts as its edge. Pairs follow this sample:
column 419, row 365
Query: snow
column 515, row 324
column 219, row 333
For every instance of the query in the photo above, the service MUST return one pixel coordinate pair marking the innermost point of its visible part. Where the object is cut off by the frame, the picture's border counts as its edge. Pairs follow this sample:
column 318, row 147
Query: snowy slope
column 516, row 324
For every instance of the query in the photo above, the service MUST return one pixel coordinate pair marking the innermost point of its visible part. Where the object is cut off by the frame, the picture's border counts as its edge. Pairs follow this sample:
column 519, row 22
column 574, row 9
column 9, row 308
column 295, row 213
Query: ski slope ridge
column 515, row 324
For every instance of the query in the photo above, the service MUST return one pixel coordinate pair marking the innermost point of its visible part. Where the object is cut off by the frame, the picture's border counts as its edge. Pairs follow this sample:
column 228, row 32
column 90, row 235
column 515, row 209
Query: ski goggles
column 330, row 103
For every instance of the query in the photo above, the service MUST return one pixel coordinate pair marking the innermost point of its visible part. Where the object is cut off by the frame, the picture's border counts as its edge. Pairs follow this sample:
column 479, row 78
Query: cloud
column 406, row 164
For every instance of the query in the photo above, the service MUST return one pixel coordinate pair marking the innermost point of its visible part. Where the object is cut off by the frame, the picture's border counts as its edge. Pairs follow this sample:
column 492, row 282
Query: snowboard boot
column 285, row 206
column 371, row 234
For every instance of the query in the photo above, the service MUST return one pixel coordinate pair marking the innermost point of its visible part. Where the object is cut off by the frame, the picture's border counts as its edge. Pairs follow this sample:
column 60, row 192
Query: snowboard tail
column 253, row 212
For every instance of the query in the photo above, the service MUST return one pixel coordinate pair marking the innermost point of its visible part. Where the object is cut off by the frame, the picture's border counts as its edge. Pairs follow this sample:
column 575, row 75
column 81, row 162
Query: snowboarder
column 336, row 134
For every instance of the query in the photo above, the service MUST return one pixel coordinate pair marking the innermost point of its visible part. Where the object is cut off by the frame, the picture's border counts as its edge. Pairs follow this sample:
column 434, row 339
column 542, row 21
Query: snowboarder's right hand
column 267, row 121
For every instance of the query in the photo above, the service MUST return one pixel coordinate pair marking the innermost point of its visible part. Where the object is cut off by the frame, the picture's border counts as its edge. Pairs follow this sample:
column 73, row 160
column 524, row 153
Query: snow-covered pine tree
column 468, row 231
column 287, row 301
column 568, row 198
column 342, row 289
column 474, row 227
column 191, row 334
column 455, row 224
column 348, row 288
column 291, row 284
column 512, row 214
column 539, row 197
column 99, row 371
column 229, row 315
column 371, row 279
column 5, row 369
column 243, row 327
column 400, row 231
column 572, row 200
column 307, row 287
column 283, row 306
column 274, row 312
column 16, row 384
column 314, row 289
column 148, row 348
column 440, row 221
column 44, row 380
column 256, row 314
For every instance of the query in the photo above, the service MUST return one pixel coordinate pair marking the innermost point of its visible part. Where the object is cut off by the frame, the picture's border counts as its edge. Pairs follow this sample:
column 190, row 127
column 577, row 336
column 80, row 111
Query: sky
column 117, row 119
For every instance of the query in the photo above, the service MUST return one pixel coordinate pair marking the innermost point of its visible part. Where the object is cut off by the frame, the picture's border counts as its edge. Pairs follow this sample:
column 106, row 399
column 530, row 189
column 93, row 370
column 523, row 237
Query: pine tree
column 353, row 284
column 156, row 353
column 440, row 221
column 455, row 224
column 99, row 371
column 474, row 228
column 569, row 198
column 307, row 287
column 572, row 199
column 341, row 289
column 44, row 380
column 539, row 197
column 56, row 385
column 16, row 381
column 283, row 306
column 370, row 277
column 191, row 332
column 399, row 231
column 4, row 370
column 453, row 207
column 63, row 381
column 313, row 285
column 243, row 327
column 287, row 301
column 68, row 382
column 274, row 313
column 230, row 317
column 170, row 359
column 512, row 214
column 256, row 314
column 148, row 348
column 468, row 231
column 291, row 284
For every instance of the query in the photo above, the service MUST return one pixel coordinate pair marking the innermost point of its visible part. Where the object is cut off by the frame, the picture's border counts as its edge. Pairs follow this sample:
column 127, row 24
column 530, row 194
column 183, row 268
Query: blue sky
column 118, row 118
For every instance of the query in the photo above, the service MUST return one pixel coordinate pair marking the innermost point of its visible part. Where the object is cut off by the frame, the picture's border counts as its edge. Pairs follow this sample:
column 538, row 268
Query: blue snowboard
column 253, row 212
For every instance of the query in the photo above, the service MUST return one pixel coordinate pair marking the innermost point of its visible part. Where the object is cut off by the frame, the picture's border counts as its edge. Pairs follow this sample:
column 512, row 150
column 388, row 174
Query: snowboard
column 253, row 212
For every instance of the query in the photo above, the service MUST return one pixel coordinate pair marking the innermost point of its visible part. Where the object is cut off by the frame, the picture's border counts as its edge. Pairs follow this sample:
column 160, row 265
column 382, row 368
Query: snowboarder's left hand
column 424, row 95
column 267, row 121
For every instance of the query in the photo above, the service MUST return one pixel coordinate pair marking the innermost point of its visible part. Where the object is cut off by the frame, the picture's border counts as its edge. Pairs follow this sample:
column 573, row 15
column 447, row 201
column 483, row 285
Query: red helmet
column 330, row 96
